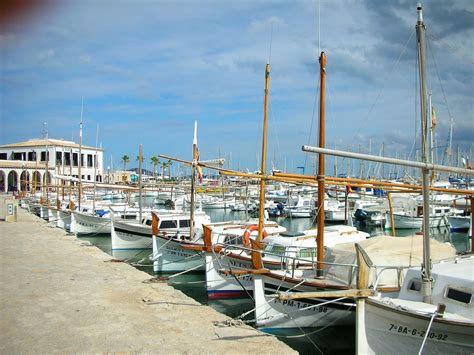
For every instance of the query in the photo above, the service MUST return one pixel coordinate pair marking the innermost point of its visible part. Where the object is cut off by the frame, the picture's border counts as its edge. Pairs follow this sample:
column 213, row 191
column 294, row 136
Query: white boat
column 87, row 221
column 335, row 211
column 394, row 254
column 414, row 219
column 402, row 324
column 134, row 234
column 279, row 249
column 303, row 208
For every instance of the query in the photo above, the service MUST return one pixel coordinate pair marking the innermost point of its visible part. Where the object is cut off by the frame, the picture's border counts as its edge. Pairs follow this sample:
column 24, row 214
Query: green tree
column 165, row 165
column 125, row 160
column 155, row 161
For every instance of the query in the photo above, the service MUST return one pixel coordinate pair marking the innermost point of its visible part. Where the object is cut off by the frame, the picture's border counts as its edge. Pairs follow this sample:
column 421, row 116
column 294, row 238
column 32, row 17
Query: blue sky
column 148, row 69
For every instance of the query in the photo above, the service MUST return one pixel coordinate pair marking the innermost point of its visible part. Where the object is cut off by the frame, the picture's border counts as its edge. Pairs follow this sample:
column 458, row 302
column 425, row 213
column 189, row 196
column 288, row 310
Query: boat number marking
column 297, row 304
column 413, row 331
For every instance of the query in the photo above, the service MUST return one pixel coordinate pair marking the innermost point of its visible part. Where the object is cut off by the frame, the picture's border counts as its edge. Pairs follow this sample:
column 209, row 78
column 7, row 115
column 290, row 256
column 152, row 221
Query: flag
column 433, row 118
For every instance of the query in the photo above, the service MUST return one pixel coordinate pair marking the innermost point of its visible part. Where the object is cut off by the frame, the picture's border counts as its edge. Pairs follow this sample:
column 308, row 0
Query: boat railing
column 379, row 270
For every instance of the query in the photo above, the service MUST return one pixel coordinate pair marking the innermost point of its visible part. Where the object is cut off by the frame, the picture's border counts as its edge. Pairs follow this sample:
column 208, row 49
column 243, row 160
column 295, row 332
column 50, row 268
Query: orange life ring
column 248, row 231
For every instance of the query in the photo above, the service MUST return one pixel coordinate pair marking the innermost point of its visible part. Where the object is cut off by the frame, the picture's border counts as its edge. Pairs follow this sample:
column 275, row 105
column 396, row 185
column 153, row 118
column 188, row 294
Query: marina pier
column 61, row 294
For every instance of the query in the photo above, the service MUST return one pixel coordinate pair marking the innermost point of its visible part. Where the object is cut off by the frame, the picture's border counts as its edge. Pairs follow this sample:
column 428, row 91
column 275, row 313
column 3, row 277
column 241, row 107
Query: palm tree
column 125, row 160
column 155, row 161
column 164, row 165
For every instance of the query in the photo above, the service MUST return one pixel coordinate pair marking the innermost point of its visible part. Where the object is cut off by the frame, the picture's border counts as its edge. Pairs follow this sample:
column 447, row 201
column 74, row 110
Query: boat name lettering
column 416, row 332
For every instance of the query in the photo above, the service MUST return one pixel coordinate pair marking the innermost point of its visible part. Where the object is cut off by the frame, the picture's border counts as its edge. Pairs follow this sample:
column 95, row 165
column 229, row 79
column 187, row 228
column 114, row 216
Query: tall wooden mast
column 264, row 154
column 193, row 181
column 80, row 159
column 320, row 206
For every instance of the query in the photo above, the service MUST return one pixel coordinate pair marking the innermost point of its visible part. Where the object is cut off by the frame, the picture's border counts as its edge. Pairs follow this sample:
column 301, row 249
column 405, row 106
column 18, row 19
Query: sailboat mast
column 264, row 154
column 140, row 158
column 95, row 169
column 193, row 181
column 320, row 207
column 426, row 268
column 80, row 159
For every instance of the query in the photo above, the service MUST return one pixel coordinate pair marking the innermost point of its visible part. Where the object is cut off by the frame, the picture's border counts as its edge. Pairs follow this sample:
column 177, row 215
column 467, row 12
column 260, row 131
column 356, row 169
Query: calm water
column 306, row 341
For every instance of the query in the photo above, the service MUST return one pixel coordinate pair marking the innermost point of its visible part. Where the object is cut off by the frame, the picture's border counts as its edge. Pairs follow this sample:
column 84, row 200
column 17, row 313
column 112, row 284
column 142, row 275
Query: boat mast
column 80, row 159
column 193, row 184
column 95, row 169
column 140, row 158
column 426, row 267
column 264, row 155
column 320, row 206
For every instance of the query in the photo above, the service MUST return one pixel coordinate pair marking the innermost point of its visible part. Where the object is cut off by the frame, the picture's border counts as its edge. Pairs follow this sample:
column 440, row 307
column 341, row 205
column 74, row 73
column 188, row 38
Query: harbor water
column 330, row 340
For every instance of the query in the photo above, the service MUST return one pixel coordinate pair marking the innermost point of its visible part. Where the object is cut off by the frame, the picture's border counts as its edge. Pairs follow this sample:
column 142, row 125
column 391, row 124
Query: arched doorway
column 25, row 181
column 47, row 178
column 2, row 181
column 36, row 181
column 12, row 181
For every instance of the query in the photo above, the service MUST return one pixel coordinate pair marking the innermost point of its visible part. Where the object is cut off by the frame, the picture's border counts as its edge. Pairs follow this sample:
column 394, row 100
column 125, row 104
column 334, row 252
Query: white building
column 34, row 163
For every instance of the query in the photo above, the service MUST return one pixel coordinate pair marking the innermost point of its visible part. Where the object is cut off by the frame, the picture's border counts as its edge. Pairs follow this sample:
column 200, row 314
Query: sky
column 146, row 70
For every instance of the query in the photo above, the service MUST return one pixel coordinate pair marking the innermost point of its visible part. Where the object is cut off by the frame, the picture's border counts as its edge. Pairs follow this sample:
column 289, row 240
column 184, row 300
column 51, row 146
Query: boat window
column 148, row 222
column 184, row 223
column 233, row 240
column 129, row 216
column 414, row 285
column 168, row 224
column 459, row 295
column 307, row 253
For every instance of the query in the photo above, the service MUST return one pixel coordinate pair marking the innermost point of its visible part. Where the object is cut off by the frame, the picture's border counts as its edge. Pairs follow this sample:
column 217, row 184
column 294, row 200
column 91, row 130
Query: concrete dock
column 59, row 295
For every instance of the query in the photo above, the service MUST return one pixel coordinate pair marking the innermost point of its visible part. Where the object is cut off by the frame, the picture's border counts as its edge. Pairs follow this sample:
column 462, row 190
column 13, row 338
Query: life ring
column 248, row 231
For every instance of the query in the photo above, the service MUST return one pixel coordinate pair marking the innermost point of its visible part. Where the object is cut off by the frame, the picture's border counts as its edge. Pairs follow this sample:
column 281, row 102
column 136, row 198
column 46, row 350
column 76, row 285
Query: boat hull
column 169, row 256
column 89, row 224
column 390, row 330
column 271, row 313
column 407, row 222
column 130, row 236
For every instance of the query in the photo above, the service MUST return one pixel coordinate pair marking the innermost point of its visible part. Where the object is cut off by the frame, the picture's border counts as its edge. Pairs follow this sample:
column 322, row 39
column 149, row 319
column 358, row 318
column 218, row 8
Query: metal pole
column 426, row 268
column 321, row 143
column 193, row 178
column 386, row 160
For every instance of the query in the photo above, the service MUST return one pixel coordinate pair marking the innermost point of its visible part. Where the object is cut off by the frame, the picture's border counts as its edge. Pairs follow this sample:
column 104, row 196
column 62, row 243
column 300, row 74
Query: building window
column 89, row 160
column 75, row 159
column 67, row 159
column 17, row 156
column 89, row 177
column 31, row 156
column 44, row 157
column 59, row 158
column 3, row 156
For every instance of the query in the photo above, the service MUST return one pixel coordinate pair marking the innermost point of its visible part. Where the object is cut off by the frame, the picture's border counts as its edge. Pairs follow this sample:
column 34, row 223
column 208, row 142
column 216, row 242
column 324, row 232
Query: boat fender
column 248, row 231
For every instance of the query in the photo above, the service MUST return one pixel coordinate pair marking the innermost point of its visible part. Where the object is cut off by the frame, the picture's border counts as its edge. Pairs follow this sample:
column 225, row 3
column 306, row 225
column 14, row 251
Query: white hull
column 64, row 219
column 407, row 222
column 395, row 331
column 276, row 314
column 169, row 256
column 130, row 236
column 300, row 213
column 335, row 216
column 89, row 224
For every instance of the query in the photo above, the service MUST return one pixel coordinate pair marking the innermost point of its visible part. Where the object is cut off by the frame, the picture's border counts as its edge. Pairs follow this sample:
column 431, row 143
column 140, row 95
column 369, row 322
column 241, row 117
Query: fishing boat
column 280, row 250
column 135, row 234
column 303, row 208
column 459, row 223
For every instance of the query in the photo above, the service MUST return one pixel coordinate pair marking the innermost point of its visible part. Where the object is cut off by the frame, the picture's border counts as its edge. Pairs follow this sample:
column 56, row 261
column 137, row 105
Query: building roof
column 40, row 142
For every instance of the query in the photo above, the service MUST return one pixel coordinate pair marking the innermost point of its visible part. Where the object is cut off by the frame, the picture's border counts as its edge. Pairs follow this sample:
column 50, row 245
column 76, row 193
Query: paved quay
column 58, row 295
